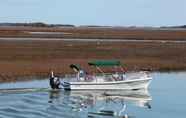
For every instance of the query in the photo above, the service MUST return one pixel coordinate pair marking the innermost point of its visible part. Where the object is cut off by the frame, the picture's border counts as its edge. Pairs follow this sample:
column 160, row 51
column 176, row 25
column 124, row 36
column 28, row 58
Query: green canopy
column 105, row 63
column 75, row 67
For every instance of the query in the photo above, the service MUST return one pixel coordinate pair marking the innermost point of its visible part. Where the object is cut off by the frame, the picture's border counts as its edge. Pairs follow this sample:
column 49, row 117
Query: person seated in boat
column 115, row 76
column 84, row 76
column 81, row 75
column 54, row 81
column 119, row 76
column 123, row 76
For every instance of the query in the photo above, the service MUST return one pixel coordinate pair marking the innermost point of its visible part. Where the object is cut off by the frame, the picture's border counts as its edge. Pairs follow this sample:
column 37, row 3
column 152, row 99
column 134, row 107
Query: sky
column 95, row 12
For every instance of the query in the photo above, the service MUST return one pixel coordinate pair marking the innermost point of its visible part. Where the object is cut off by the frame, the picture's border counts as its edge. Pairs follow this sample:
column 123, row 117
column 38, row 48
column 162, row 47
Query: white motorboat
column 106, row 81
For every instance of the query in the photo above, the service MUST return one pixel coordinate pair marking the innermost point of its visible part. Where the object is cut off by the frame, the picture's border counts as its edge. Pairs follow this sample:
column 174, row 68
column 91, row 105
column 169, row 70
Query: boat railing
column 137, row 75
column 110, row 76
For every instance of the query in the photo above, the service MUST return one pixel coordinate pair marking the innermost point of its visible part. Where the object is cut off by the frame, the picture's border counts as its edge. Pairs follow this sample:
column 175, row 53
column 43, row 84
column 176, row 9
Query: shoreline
column 94, row 32
column 93, row 40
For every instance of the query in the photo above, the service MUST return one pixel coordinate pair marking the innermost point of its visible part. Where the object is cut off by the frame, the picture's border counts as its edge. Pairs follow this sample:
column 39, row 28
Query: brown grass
column 32, row 57
column 104, row 33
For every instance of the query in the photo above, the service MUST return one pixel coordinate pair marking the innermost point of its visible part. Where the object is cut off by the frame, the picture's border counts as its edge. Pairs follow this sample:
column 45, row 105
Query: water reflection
column 47, row 103
column 102, row 103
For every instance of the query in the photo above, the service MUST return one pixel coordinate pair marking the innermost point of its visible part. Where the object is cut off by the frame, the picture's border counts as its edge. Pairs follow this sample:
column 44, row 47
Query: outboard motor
column 54, row 81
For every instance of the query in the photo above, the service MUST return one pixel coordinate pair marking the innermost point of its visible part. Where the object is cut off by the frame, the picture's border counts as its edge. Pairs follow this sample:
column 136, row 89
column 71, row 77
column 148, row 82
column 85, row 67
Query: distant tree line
column 36, row 24
column 41, row 24
column 181, row 26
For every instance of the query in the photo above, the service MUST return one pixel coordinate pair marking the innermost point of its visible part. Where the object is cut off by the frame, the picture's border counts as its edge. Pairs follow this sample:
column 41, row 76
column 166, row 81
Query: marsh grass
column 37, row 58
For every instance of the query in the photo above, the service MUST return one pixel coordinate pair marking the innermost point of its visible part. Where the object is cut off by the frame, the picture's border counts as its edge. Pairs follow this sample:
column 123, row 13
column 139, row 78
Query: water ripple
column 50, row 104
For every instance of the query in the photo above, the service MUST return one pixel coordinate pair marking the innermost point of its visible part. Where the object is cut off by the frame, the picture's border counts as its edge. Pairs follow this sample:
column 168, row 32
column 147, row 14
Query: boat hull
column 114, row 85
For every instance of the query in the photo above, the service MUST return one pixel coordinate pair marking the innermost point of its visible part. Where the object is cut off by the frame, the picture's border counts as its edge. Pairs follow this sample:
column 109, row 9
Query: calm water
column 164, row 99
